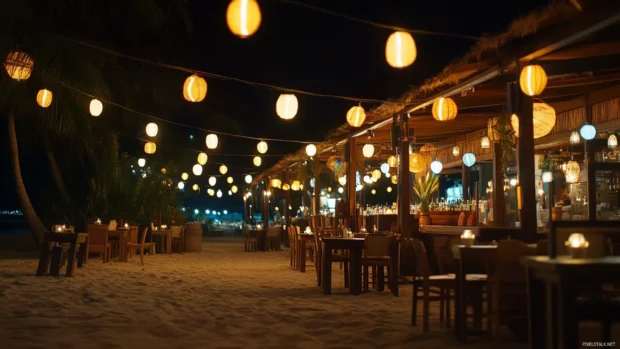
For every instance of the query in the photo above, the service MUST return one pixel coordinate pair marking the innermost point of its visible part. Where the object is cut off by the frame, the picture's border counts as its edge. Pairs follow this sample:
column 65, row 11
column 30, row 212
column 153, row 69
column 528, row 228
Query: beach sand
column 219, row 298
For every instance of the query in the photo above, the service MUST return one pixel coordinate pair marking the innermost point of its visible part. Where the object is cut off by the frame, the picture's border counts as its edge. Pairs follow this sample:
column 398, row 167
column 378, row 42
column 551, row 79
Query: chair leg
column 365, row 266
column 426, row 310
column 448, row 308
column 346, row 274
column 414, row 304
column 142, row 256
column 441, row 304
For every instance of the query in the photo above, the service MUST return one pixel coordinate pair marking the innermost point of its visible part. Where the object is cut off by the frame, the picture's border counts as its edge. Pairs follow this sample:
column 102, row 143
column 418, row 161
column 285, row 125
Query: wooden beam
column 584, row 51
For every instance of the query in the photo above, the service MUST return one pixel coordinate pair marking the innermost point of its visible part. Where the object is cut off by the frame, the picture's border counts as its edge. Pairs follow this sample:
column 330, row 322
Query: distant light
column 207, row 211
column 340, row 190
column 588, row 132
column 513, row 182
column 225, row 211
column 181, row 185
column 196, row 211
column 359, row 187
column 385, row 168
column 191, row 136
column 141, row 162
column 183, row 209
column 547, row 176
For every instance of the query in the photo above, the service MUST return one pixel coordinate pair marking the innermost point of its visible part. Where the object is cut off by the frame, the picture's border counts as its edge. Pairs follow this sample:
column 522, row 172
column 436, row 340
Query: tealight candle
column 577, row 245
column 126, row 225
column 98, row 221
column 468, row 238
column 308, row 230
column 59, row 229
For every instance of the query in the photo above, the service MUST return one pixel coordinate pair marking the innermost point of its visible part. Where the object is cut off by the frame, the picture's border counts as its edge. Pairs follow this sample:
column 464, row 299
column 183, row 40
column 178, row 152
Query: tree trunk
column 57, row 176
column 37, row 229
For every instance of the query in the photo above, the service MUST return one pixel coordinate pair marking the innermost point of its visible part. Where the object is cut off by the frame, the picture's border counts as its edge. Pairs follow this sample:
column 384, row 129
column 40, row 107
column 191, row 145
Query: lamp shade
column 436, row 166
column 295, row 186
column 444, row 109
column 311, row 150
column 211, row 141
column 485, row 142
column 95, row 107
column 44, row 98
column 392, row 161
column 223, row 169
column 400, row 50
column 150, row 148
column 575, row 138
column 469, row 159
column 417, row 163
column 262, row 147
column 276, row 183
column 248, row 179
column 202, row 158
column 572, row 174
column 184, row 176
column 368, row 150
column 543, row 122
column 588, row 132
column 257, row 161
column 243, row 17
column 356, row 116
column 286, row 106
column 456, row 151
column 230, row 180
column 141, row 162
column 197, row 170
column 151, row 129
column 385, row 168
column 212, row 181
column 194, row 88
column 234, row 189
column 533, row 80
column 612, row 141
column 18, row 65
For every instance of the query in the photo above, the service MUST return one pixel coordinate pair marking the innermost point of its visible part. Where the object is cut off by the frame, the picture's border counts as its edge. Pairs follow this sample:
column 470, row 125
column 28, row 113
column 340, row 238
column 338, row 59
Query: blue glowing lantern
column 588, row 132
column 469, row 159
column 436, row 166
column 385, row 168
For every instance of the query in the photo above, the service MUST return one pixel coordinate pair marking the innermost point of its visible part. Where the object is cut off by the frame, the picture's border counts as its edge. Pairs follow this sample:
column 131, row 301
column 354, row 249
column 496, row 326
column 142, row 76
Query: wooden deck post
column 526, row 171
column 404, row 179
column 316, row 199
column 351, row 183
column 499, row 203
column 591, row 173
column 465, row 185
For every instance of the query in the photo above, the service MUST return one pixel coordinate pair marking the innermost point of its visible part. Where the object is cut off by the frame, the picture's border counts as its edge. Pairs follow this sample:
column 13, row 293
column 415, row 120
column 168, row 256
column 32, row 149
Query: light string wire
column 376, row 24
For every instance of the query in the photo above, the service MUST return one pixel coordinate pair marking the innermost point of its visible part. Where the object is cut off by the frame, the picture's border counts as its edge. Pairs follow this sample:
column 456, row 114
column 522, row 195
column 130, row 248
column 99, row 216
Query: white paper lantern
column 572, row 174
column 311, row 150
column 612, row 141
column 575, row 138
column 485, row 142
column 356, row 116
column 342, row 180
column 393, row 161
column 96, row 107
column 141, row 162
column 262, row 147
column 588, row 132
column 400, row 50
column 212, row 181
column 181, row 185
column 368, row 150
column 230, row 180
column 197, row 170
column 385, row 168
column 286, row 106
column 340, row 190
column 219, row 193
column 152, row 129
column 248, row 179
column 223, row 169
column 211, row 141
column 202, row 158
column 257, row 161
column 436, row 166
column 367, row 179
column 469, row 159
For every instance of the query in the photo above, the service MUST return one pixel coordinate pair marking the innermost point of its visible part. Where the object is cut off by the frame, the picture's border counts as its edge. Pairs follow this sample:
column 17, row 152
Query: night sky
column 296, row 48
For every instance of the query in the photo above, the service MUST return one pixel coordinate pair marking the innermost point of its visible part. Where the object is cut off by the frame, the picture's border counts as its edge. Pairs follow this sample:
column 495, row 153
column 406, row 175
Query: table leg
column 44, row 258
column 535, row 310
column 302, row 267
column 551, row 311
column 169, row 243
column 123, row 247
column 569, row 327
column 71, row 262
column 380, row 278
column 82, row 255
column 356, row 271
column 459, row 302
column 393, row 269
column 327, row 269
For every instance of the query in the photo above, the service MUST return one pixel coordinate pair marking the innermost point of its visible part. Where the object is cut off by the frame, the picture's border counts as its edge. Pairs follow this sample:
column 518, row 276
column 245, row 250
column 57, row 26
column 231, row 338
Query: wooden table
column 301, row 250
column 355, row 246
column 123, row 237
column 552, row 295
column 74, row 240
column 166, row 236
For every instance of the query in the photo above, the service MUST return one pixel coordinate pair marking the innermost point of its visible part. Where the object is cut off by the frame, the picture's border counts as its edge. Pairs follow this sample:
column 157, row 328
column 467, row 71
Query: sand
column 220, row 298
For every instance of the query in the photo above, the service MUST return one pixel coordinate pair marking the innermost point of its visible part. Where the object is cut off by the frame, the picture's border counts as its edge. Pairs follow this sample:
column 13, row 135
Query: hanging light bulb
column 575, row 138
column 219, row 193
column 311, row 150
column 212, row 181
column 547, row 176
column 44, row 98
column 374, row 192
column 181, row 185
column 211, row 141
column 385, row 168
column 230, row 180
column 230, row 192
column 400, row 50
column 194, row 88
column 456, row 151
column 234, row 189
column 262, row 147
column 612, row 141
column 286, row 106
column 141, row 162
column 368, row 150
column 248, row 179
column 197, row 170
column 223, row 169
column 533, row 80
column 151, row 129
column 286, row 187
column 436, row 166
column 150, row 148
column 243, row 17
column 96, row 107
column 389, row 189
column 588, row 132
column 257, row 161
column 356, row 116
column 195, row 187
column 202, row 158
column 184, row 176
column 342, row 180
column 340, row 190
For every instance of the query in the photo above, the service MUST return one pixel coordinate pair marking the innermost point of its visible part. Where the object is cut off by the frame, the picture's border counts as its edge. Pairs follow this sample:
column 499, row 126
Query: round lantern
column 223, row 169
column 286, row 187
column 18, row 65
column 262, row 147
column 573, row 172
column 150, row 148
column 417, row 163
column 211, row 192
column 393, row 161
column 394, row 180
column 547, row 176
column 230, row 180
column 575, row 138
column 212, row 181
column 389, row 189
column 400, row 50
column 469, row 159
column 444, row 109
column 181, row 185
column 234, row 189
column 286, row 106
column 96, row 107
column 230, row 193
column 356, row 116
column 243, row 17
column 163, row 170
column 152, row 129
column 342, row 180
column 295, row 186
column 533, row 80
column 376, row 174
column 211, row 141
column 248, row 179
column 141, row 162
column 385, row 168
column 257, row 161
column 374, row 192
column 588, row 132
column 202, row 158
column 195, row 187
column 276, row 183
column 436, row 166
column 368, row 150
column 311, row 150
column 340, row 190
column 485, row 142
column 456, row 151
column 44, row 98
column 612, row 141
column 197, row 169
column 184, row 176
column 543, row 122
column 195, row 88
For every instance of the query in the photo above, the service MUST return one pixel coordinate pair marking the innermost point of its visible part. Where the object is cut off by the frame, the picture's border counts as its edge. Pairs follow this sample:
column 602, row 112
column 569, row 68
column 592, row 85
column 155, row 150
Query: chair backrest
column 297, row 230
column 377, row 246
column 421, row 258
column 274, row 231
column 133, row 233
column 462, row 218
column 471, row 220
column 176, row 231
column 143, row 239
column 112, row 225
column 542, row 248
column 97, row 234
column 507, row 267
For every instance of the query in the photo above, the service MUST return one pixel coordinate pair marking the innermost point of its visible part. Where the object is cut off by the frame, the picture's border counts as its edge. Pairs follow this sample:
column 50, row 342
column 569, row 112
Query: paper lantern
column 543, row 122
column 262, row 147
column 572, row 173
column 195, row 88
column 469, row 159
column 234, row 189
column 485, row 142
column 342, row 180
column 211, row 192
column 96, row 107
column 211, row 141
column 295, row 186
column 547, row 176
column 202, row 158
column 376, row 174
column 533, row 80
column 44, row 98
column 286, row 106
column 356, row 116
column 311, row 150
column 150, row 148
column 492, row 131
column 223, row 169
column 230, row 180
column 417, row 163
column 184, row 176
column 219, row 193
column 248, row 179
column 588, row 132
column 195, row 187
column 141, row 162
column 374, row 192
column 340, row 190
column 212, row 181
column 400, row 50
column 197, row 169
column 181, row 185
column 393, row 161
column 394, row 180
column 286, row 187
column 385, row 168
column 243, row 17
column 612, row 141
column 368, row 150
column 575, row 138
column 456, row 151
column 151, row 129
column 436, row 166
column 257, row 161
column 444, row 109
column 389, row 189
column 163, row 170
column 230, row 193
column 18, row 65
column 276, row 183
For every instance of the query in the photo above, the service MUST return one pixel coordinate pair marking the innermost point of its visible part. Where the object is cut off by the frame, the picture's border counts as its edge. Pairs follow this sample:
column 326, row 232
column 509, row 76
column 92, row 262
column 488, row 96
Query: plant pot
column 425, row 218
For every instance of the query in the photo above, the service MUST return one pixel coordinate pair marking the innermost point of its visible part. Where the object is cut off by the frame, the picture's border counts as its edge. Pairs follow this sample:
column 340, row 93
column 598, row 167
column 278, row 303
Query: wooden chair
column 142, row 245
column 433, row 287
column 98, row 241
column 292, row 238
column 273, row 237
column 474, row 266
column 177, row 233
column 251, row 241
column 133, row 238
column 377, row 256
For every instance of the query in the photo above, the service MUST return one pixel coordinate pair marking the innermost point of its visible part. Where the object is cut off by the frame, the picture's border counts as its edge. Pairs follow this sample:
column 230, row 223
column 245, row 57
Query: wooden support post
column 499, row 203
column 404, row 179
column 316, row 199
column 465, row 177
column 351, row 179
column 589, row 159
column 526, row 172
column 266, row 203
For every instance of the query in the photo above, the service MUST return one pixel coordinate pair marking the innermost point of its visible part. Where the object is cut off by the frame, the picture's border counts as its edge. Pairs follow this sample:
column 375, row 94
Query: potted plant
column 424, row 188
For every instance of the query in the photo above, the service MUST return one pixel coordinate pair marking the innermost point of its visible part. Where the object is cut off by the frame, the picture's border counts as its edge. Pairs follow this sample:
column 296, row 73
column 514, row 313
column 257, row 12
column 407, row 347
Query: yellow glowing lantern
column 394, row 180
column 18, row 65
column 96, row 107
column 342, row 180
column 202, row 158
column 163, row 170
column 544, row 120
column 234, row 189
column 533, row 80
column 376, row 174
column 150, row 148
column 295, row 186
column 374, row 192
column 44, row 98
column 152, row 129
column 195, row 88
column 456, row 151
column 276, row 183
column 223, row 169
column 286, row 106
column 612, row 141
column 286, row 187
column 311, row 150
column 195, row 187
column 211, row 141
column 257, row 161
column 400, row 50
column 230, row 180
column 248, row 179
column 184, row 176
column 572, row 173
column 389, row 189
column 444, row 109
column 356, row 116
column 417, row 163
column 211, row 192
column 197, row 170
column 368, row 150
column 212, row 181
column 485, row 142
column 392, row 161
column 262, row 147
column 243, row 17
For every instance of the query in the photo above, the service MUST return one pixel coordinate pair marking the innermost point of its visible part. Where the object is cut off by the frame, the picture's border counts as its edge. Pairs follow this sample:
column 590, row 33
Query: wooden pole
column 499, row 203
column 404, row 179
column 526, row 166
column 465, row 177
column 589, row 159
column 351, row 179
column 316, row 200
